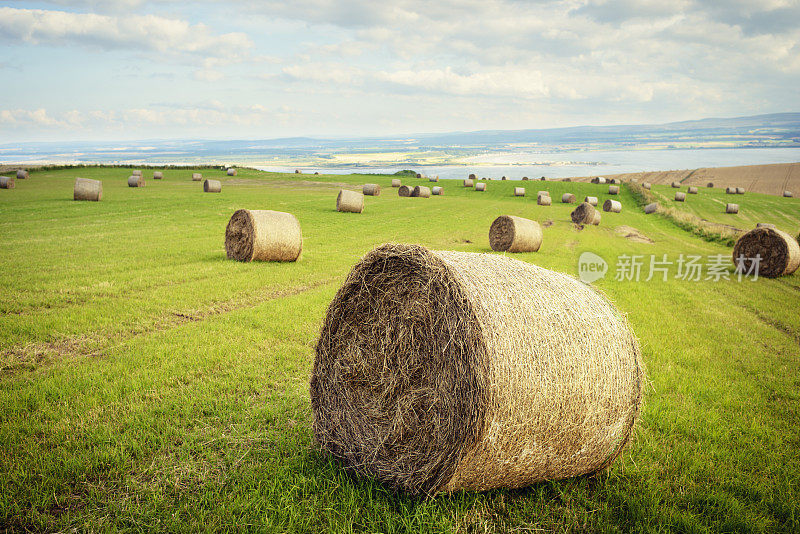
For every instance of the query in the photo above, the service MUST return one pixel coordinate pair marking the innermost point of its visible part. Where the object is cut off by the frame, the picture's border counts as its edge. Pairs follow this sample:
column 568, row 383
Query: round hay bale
column 766, row 225
column 503, row 178
column 469, row 182
column 480, row 187
column 567, row 198
column 676, row 184
column 158, row 175
column 542, row 178
column 740, row 190
column 421, row 191
column 437, row 190
column 524, row 178
column 646, row 185
column 135, row 181
column 583, row 214
column 613, row 190
column 197, row 177
column 779, row 252
column 316, row 172
column 371, row 190
column 710, row 184
column 471, row 177
column 87, row 189
column 612, row 205
column 597, row 217
column 680, row 196
column 396, row 182
column 7, row 182
column 544, row 200
column 137, row 173
column 298, row 171
column 591, row 200
column 433, row 178
column 601, row 180
column 263, row 235
column 567, row 180
column 405, row 191
column 232, row 172
column 787, row 194
column 350, row 201
column 692, row 190
column 651, row 208
column 515, row 234
column 614, row 181
column 730, row 190
column 212, row 186
column 731, row 208
column 419, row 175
column 500, row 391
column 519, row 191
column 22, row 174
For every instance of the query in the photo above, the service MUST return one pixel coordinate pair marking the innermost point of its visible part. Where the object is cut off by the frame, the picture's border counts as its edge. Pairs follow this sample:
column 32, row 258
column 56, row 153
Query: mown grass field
column 146, row 382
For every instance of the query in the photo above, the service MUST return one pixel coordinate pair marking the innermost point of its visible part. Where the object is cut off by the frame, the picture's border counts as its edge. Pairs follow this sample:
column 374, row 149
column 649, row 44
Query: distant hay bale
column 419, row 175
column 472, row 177
column 524, row 178
column 596, row 219
column 263, row 235
column 731, row 208
column 421, row 191
column 22, row 174
column 567, row 180
column 480, row 187
column 730, row 190
column 583, row 214
column 766, row 225
column 371, row 190
column 544, row 200
column 396, row 182
column 519, row 191
column 646, row 185
column 136, row 181
column 676, row 184
column 613, row 190
column 7, row 182
column 740, row 190
column 692, row 190
column 651, row 208
column 469, row 182
column 567, row 198
column 298, row 171
column 86, row 189
column 137, row 173
column 433, row 178
column 598, row 180
column 503, row 178
column 612, row 205
column 710, row 184
column 515, row 234
column 316, row 172
column 212, row 186
column 614, row 181
column 197, row 177
column 787, row 194
column 350, row 201
column 779, row 253
column 437, row 190
column 232, row 172
column 680, row 196
column 511, row 383
column 405, row 191
column 591, row 200
column 634, row 181
column 542, row 178
column 158, row 175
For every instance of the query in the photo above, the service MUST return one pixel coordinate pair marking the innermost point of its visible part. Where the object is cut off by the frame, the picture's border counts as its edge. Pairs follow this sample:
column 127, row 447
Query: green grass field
column 148, row 383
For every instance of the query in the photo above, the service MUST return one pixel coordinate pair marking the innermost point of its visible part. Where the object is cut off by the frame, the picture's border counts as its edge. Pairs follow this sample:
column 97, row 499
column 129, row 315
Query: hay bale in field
column 710, row 184
column 197, row 177
column 615, row 181
column 680, row 196
column 612, row 205
column 676, row 184
column 567, row 180
column 472, row 177
column 515, row 234
column 730, row 190
column 547, row 193
column 524, row 178
column 212, row 186
column 731, row 208
column 419, row 175
column 646, row 185
column 263, row 235
column 298, row 171
column 613, row 190
column 232, row 172
column 22, row 174
column 437, row 190
column 500, row 391
column 567, row 198
column 740, row 190
column 543, row 200
column 597, row 217
column 779, row 253
column 692, row 190
column 542, row 178
column 651, row 208
column 158, row 175
column 480, row 187
column 598, row 180
column 469, row 182
column 371, row 190
column 7, row 182
column 634, row 181
column 766, row 225
column 503, row 178
column 433, row 178
column 421, row 191
column 519, row 191
column 349, row 201
column 316, row 172
column 137, row 172
column 591, row 200
column 405, row 191
column 396, row 182
column 583, row 214
column 787, row 194
column 87, row 189
column 136, row 181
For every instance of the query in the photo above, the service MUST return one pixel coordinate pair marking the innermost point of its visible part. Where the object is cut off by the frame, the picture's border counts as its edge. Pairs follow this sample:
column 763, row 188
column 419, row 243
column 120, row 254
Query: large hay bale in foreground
column 731, row 208
column 87, row 189
column 500, row 391
column 232, row 172
column 676, row 184
column 371, row 190
column 136, row 181
column 212, row 186
column 612, row 205
column 405, row 191
column 7, row 182
column 515, row 234
column 519, row 191
column 787, row 194
column 692, row 190
column 480, row 187
column 613, row 190
column 680, row 196
column 778, row 251
column 469, row 182
column 263, row 235
column 158, row 175
column 651, row 208
column 396, row 182
column 567, row 198
column 591, row 200
column 350, row 201
column 437, row 190
column 22, row 174
column 421, row 191
column 583, row 214
column 543, row 200
column 197, row 177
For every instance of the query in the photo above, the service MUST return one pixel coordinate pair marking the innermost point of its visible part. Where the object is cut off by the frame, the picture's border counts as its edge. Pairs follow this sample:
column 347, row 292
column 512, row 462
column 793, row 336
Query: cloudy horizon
column 140, row 69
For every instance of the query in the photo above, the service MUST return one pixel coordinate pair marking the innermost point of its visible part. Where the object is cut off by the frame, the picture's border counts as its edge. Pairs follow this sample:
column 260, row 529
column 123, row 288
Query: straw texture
column 583, row 214
column 350, row 201
column 613, row 190
column 519, row 191
column 136, row 180
column 22, row 174
column 263, row 235
column 651, row 208
column 779, row 252
column 509, row 233
column 469, row 182
column 591, row 200
column 731, row 208
column 396, row 182
column 480, row 187
column 421, row 191
column 405, row 191
column 86, row 189
column 612, row 205
column 371, row 190
column 212, row 186
column 680, row 196
column 443, row 371
column 437, row 190
column 197, row 177
column 567, row 198
column 543, row 200
column 7, row 182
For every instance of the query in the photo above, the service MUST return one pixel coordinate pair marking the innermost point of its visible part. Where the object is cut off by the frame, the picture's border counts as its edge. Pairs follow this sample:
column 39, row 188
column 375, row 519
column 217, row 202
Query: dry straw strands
column 515, row 234
column 350, row 201
column 651, row 208
column 731, row 208
column 779, row 252
column 676, row 184
column 437, row 190
column 212, row 186
column 232, row 172
column 544, row 200
column 646, row 185
column 583, row 214
column 263, row 235
column 680, row 196
column 612, row 205
column 591, row 200
column 22, row 174
column 86, row 189
column 519, row 191
column 567, row 198
column 197, row 177
column 613, row 190
column 469, row 182
column 692, row 190
column 396, row 182
column 158, row 175
column 7, row 182
column 480, row 187
column 421, row 191
column 136, row 180
column 516, row 382
column 787, row 194
column 371, row 190
column 405, row 191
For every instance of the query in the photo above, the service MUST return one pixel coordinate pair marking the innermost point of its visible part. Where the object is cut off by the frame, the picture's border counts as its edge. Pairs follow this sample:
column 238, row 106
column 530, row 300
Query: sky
column 161, row 69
